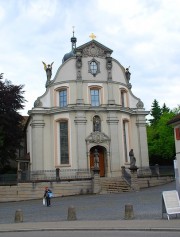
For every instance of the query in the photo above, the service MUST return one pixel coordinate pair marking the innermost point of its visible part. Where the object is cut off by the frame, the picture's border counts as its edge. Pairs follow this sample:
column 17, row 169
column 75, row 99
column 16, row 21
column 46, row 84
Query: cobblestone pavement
column 147, row 204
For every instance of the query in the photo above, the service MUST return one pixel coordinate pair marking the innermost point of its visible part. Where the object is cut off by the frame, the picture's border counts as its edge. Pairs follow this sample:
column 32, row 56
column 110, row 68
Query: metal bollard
column 129, row 213
column 71, row 214
column 18, row 216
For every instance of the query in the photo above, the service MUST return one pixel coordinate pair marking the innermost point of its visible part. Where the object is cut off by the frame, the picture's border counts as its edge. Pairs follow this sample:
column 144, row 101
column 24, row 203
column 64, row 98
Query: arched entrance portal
column 101, row 151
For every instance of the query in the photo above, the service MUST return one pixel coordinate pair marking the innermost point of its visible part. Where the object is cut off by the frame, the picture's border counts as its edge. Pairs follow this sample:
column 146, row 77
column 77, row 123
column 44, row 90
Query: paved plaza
column 147, row 205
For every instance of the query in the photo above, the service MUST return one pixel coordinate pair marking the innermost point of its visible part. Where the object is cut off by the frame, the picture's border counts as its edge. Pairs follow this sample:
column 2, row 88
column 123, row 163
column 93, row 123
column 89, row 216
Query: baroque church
column 88, row 108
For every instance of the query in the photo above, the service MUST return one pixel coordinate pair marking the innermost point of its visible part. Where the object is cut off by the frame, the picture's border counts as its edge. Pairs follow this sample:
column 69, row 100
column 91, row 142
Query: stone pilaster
column 111, row 100
column 115, row 166
column 80, row 122
column 142, row 141
column 79, row 100
column 134, row 179
column 96, row 181
column 38, row 142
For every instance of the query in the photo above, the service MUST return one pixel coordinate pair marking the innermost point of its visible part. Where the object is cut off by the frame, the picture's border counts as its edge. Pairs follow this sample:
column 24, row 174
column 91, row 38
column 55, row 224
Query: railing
column 58, row 174
column 77, row 174
column 156, row 171
column 148, row 172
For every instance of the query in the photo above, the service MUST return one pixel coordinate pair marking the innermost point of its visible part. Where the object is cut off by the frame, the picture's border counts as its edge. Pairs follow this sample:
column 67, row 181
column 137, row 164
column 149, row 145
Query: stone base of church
column 115, row 173
column 144, row 171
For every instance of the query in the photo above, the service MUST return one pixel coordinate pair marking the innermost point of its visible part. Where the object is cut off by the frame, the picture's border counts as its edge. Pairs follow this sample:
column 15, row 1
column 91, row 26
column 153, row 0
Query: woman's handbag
column 44, row 201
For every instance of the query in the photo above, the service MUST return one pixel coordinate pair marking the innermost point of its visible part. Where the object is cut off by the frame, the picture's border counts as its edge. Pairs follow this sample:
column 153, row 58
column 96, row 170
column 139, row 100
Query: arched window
column 124, row 98
column 63, row 142
column 96, row 124
column 63, row 98
column 95, row 100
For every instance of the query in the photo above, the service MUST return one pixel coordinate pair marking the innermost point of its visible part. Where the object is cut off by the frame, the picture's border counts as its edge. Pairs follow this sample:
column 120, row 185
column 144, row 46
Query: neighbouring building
column 175, row 122
column 88, row 108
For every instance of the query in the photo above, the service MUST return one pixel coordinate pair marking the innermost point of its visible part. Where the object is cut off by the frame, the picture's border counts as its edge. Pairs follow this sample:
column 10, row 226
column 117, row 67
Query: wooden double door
column 100, row 150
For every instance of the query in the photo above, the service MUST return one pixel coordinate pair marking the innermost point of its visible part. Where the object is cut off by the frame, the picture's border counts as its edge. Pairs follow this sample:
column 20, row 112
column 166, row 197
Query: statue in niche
column 96, row 124
column 48, row 69
column 109, row 63
column 96, row 159
column 78, row 62
column 132, row 159
column 128, row 74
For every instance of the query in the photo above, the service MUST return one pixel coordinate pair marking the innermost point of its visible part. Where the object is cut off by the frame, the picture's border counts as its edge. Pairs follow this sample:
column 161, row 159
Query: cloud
column 142, row 34
column 2, row 13
column 37, row 10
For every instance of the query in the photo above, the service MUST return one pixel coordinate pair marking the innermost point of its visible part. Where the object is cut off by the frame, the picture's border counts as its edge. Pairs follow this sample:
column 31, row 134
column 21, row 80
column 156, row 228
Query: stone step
column 114, row 185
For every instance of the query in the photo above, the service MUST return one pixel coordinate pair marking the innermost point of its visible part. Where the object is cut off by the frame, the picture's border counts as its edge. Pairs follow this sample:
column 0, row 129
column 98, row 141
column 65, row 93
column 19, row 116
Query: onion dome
column 68, row 55
column 72, row 53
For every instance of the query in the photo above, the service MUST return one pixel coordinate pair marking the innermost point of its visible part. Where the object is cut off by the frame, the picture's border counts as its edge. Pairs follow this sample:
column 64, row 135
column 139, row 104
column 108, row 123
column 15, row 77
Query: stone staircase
column 35, row 190
column 114, row 185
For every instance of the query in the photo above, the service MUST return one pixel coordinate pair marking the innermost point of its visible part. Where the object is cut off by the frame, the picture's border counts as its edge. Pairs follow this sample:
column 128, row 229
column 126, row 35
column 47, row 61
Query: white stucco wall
column 43, row 131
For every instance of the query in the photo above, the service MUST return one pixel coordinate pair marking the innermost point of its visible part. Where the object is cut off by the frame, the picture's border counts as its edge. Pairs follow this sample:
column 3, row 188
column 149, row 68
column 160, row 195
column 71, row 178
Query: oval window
column 93, row 67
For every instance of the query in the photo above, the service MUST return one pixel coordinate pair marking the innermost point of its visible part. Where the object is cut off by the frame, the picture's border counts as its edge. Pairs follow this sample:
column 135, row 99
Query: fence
column 78, row 174
column 156, row 171
column 48, row 175
column 8, row 179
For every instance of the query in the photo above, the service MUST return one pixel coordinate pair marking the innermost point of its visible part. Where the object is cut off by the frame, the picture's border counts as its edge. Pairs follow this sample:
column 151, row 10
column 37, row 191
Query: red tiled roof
column 175, row 119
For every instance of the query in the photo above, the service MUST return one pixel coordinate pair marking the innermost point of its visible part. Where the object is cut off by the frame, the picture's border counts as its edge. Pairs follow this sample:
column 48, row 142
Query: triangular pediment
column 94, row 49
column 97, row 137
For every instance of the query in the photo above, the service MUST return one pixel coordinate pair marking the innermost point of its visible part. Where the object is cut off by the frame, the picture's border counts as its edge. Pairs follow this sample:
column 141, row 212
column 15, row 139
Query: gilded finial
column 92, row 36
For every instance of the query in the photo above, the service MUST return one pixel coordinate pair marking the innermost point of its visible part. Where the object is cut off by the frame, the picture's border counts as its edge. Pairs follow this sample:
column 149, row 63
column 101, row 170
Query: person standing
column 47, row 196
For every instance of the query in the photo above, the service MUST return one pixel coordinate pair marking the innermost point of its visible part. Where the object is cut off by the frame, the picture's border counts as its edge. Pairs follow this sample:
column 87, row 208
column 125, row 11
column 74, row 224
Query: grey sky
column 144, row 35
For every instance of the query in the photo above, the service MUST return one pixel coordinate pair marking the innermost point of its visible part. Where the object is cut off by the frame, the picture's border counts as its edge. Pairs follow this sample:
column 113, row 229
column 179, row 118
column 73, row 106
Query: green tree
column 155, row 112
column 11, row 100
column 1, row 136
column 165, row 109
column 161, row 143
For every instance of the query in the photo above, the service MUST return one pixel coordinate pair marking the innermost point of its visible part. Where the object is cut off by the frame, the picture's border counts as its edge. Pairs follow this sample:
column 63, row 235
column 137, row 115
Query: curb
column 130, row 225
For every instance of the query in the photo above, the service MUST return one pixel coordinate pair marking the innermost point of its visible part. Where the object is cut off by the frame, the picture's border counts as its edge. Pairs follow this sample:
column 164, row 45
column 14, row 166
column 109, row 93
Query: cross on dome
column 92, row 36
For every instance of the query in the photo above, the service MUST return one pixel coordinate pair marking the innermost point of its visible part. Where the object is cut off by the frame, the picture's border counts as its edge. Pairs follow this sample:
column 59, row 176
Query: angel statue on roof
column 128, row 74
column 48, row 69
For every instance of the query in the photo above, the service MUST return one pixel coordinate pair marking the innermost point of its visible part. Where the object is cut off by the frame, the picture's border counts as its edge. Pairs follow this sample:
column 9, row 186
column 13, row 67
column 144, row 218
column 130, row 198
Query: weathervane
column 92, row 36
column 73, row 40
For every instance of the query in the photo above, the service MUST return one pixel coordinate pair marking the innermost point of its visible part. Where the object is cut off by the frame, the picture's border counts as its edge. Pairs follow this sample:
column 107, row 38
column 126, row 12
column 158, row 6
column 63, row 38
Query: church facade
column 88, row 110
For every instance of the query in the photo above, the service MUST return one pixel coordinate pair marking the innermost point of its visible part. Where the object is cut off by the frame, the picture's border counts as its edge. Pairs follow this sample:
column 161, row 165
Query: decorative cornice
column 97, row 137
column 37, row 124
column 99, row 45
column 93, row 51
column 87, row 108
column 112, row 121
